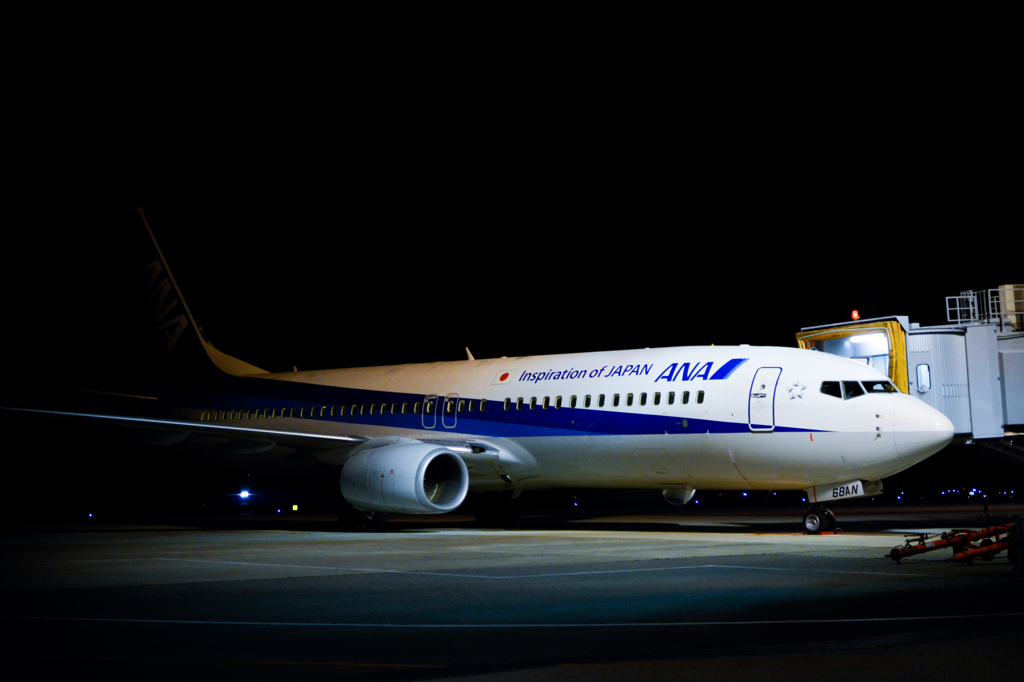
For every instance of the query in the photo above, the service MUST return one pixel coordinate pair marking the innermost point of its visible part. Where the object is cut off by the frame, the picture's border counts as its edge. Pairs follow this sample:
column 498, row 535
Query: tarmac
column 716, row 594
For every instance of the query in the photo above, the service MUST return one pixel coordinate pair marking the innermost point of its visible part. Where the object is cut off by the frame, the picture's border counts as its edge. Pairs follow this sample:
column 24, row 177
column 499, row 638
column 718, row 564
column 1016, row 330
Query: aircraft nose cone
column 920, row 430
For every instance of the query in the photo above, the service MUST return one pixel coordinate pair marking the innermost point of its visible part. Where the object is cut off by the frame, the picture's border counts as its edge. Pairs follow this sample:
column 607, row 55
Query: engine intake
column 411, row 478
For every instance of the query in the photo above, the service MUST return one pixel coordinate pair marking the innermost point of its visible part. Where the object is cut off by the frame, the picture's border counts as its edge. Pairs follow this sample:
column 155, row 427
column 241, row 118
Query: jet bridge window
column 831, row 388
column 924, row 378
column 852, row 389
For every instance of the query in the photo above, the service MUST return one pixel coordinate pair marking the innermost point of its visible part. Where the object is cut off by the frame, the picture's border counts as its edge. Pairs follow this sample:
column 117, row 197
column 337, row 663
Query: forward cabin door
column 761, row 403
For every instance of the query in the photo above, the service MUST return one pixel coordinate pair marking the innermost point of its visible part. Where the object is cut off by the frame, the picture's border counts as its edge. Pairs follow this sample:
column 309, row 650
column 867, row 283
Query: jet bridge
column 971, row 369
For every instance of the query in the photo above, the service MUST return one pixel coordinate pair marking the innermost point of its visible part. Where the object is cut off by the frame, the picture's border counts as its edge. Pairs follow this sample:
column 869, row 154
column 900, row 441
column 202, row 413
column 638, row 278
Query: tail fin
column 173, row 318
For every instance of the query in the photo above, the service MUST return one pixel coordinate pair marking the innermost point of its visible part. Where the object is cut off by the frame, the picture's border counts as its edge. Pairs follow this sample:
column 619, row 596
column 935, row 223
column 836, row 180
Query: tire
column 815, row 522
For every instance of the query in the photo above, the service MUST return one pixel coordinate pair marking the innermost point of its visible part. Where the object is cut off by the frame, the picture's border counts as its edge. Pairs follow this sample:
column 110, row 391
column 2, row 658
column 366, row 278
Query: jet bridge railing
column 1004, row 305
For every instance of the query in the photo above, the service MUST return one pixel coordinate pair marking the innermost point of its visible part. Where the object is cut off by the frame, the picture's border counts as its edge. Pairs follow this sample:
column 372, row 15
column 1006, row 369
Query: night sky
column 361, row 214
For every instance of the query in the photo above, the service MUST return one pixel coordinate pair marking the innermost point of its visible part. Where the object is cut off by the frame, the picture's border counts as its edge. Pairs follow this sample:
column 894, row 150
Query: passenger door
column 761, row 402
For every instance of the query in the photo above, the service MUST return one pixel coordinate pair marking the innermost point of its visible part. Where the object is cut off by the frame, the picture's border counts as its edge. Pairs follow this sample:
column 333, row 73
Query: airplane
column 418, row 438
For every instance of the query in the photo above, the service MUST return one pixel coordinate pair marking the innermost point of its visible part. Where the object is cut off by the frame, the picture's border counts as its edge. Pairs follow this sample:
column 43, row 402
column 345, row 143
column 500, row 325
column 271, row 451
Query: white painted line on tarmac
column 552, row 575
column 706, row 623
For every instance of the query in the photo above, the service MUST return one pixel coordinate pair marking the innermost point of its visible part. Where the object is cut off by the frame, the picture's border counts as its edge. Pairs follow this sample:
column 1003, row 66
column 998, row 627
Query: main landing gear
column 817, row 519
column 351, row 519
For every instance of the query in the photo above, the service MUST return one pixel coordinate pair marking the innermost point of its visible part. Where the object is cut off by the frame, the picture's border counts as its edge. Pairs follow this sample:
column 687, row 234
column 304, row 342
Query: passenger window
column 852, row 389
column 832, row 388
column 323, row 410
column 508, row 403
column 572, row 402
column 629, row 400
column 451, row 406
column 373, row 409
column 615, row 400
column 671, row 397
column 394, row 408
column 700, row 397
column 429, row 406
column 533, row 403
column 600, row 400
column 362, row 410
column 684, row 398
column 558, row 402
column 924, row 378
column 547, row 402
column 416, row 407
column 405, row 408
column 519, row 403
column 586, row 401
column 643, row 399
column 462, row 406
column 657, row 399
column 472, row 407
column 352, row 412
column 483, row 405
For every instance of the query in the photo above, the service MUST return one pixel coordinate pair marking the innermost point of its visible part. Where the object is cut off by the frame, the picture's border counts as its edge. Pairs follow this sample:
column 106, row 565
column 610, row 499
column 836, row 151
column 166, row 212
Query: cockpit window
column 832, row 388
column 880, row 387
column 852, row 389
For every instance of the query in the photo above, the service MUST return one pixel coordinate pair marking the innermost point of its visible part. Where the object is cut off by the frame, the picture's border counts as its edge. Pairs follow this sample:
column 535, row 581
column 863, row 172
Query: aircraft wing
column 156, row 431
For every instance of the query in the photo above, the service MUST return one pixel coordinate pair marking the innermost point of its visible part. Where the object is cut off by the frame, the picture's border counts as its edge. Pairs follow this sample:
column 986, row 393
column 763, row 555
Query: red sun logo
column 503, row 376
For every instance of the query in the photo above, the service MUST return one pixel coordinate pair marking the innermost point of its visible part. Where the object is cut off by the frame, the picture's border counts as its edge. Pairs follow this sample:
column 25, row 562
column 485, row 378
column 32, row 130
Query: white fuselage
column 718, row 417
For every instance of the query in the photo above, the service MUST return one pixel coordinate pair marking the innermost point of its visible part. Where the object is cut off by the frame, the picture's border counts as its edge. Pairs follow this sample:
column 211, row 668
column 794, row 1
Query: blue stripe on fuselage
column 253, row 393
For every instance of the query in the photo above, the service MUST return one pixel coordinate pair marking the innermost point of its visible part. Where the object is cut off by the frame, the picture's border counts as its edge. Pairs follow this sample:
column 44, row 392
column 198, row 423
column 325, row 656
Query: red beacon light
column 855, row 315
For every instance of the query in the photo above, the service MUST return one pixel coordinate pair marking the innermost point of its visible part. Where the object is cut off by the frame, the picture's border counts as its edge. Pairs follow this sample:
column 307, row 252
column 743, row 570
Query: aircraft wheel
column 985, row 543
column 818, row 520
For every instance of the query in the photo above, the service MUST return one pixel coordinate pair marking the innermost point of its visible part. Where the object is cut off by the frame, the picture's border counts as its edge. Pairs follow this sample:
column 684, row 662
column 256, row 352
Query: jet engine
column 409, row 478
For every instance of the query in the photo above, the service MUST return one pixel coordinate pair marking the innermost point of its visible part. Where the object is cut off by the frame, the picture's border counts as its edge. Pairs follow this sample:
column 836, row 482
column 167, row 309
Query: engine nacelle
column 410, row 478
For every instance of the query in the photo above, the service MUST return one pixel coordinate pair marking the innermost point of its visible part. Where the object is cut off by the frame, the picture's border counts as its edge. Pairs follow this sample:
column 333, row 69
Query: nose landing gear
column 817, row 519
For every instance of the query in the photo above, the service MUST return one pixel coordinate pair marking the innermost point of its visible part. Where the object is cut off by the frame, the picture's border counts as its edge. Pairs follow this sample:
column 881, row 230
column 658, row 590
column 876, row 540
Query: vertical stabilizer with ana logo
column 192, row 357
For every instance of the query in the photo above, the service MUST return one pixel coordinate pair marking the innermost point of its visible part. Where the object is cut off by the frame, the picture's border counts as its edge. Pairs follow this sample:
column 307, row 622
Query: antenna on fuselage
column 469, row 356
